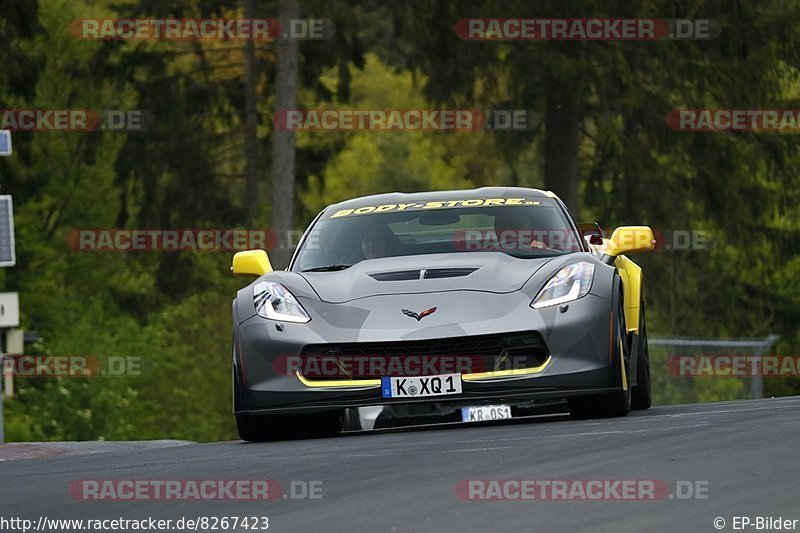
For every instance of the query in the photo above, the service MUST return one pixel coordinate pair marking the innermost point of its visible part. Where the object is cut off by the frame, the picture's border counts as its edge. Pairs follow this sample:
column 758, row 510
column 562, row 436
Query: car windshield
column 524, row 231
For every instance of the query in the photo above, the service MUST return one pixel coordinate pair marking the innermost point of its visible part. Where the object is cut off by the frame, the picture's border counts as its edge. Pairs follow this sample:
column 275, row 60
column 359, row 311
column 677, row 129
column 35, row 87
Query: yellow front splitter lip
column 373, row 383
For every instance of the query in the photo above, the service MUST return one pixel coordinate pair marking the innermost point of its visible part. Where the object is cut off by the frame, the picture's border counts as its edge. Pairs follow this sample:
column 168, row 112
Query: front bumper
column 577, row 337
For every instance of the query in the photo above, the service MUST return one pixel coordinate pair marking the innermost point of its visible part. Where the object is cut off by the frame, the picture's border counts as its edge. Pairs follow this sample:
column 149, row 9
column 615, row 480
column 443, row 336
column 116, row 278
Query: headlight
column 274, row 301
column 570, row 283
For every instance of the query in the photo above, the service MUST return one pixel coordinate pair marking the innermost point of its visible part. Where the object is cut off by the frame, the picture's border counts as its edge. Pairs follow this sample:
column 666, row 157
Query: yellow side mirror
column 627, row 239
column 251, row 263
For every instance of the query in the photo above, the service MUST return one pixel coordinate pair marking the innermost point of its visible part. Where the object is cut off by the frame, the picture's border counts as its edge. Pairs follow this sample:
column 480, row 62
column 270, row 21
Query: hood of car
column 480, row 271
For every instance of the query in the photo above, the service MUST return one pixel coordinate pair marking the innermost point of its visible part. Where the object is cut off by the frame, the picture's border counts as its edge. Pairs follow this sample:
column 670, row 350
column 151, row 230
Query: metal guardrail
column 759, row 346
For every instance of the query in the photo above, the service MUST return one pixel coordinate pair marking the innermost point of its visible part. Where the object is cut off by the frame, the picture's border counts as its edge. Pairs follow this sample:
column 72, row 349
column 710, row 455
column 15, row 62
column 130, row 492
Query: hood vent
column 430, row 273
column 438, row 273
column 397, row 275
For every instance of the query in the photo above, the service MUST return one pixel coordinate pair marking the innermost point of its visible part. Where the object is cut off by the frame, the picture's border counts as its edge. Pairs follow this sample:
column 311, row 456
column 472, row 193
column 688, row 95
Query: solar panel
column 7, row 257
column 5, row 142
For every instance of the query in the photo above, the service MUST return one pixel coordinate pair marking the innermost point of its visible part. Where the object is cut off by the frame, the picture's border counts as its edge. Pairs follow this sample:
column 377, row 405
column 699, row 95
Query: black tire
column 642, row 393
column 616, row 403
column 263, row 428
column 253, row 428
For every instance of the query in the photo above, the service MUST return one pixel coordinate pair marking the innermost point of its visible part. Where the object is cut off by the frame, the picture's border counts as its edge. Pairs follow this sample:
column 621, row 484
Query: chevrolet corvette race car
column 477, row 299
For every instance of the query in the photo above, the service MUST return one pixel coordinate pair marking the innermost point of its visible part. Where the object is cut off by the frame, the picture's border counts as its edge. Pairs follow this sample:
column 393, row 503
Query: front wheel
column 618, row 402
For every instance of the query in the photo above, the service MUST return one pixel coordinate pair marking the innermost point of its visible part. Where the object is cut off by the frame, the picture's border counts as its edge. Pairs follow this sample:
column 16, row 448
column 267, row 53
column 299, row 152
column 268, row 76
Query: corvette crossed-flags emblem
column 419, row 316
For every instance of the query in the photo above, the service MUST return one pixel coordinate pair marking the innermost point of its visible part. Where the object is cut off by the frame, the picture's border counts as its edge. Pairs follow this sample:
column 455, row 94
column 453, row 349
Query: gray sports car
column 480, row 300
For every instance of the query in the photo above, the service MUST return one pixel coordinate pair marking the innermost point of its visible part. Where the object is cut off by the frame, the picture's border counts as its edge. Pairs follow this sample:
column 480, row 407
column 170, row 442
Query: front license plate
column 418, row 387
column 485, row 412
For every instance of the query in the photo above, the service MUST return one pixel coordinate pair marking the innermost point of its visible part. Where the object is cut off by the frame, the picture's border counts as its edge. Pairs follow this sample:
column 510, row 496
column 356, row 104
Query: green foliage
column 669, row 388
column 173, row 309
column 371, row 162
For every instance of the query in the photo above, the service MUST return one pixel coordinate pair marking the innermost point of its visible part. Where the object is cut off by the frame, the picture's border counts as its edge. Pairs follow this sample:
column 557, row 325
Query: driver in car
column 520, row 227
column 374, row 243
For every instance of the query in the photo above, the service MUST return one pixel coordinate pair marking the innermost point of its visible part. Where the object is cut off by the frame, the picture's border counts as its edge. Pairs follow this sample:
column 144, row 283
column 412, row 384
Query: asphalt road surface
column 744, row 453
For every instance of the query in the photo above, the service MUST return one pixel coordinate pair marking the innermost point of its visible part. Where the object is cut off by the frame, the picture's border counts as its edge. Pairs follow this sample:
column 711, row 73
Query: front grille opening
column 465, row 355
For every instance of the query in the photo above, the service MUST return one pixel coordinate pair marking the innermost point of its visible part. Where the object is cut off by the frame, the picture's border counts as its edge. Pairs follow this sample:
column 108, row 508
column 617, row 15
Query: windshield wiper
column 328, row 268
